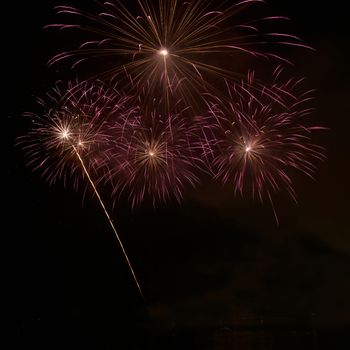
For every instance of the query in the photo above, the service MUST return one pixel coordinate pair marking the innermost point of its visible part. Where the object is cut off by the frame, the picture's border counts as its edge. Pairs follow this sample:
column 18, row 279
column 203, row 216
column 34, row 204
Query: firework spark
column 171, row 42
column 255, row 141
column 67, row 137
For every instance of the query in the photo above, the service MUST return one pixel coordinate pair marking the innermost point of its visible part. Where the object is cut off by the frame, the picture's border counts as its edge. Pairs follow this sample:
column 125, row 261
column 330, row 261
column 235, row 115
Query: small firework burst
column 153, row 157
column 256, row 139
column 70, row 117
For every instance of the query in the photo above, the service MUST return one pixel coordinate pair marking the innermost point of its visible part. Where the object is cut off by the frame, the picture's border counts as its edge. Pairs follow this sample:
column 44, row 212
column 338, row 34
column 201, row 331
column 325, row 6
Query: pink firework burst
column 153, row 156
column 71, row 118
column 256, row 139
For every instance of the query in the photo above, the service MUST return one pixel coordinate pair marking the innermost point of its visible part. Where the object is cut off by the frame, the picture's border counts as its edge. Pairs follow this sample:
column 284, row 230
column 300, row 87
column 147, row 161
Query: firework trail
column 170, row 42
column 70, row 124
column 109, row 219
column 255, row 141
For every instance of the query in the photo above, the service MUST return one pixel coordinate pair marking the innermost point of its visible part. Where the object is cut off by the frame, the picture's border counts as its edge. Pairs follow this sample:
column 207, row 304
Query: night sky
column 214, row 261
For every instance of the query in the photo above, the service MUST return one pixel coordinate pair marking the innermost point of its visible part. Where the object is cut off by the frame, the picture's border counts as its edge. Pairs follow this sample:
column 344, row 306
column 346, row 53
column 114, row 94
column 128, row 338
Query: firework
column 169, row 42
column 153, row 156
column 70, row 115
column 67, row 138
column 255, row 141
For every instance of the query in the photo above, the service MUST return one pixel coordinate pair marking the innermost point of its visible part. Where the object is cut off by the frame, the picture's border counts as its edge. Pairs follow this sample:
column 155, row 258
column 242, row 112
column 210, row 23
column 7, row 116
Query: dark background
column 213, row 263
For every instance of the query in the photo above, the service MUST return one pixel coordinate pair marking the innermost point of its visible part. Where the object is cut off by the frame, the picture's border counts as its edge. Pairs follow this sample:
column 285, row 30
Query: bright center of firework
column 65, row 134
column 151, row 154
column 164, row 52
column 248, row 149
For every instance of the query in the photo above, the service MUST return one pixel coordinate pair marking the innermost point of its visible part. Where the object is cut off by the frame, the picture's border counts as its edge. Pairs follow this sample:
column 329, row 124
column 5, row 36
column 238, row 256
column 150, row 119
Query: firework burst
column 72, row 115
column 256, row 141
column 153, row 155
column 170, row 42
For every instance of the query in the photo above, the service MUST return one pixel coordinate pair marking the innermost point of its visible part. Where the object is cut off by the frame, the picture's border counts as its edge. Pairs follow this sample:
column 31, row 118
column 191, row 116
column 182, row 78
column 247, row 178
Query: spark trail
column 108, row 218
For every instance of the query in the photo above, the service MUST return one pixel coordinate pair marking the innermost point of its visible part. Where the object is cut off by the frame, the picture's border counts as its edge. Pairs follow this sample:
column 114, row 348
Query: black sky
column 214, row 261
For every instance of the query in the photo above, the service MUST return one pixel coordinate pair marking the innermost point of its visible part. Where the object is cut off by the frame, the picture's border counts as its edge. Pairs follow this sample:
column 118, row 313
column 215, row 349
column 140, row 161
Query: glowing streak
column 108, row 217
column 165, row 53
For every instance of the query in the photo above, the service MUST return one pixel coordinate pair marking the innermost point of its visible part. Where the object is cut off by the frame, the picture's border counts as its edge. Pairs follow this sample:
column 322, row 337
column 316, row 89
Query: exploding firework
column 153, row 156
column 67, row 137
column 73, row 115
column 150, row 142
column 169, row 42
column 255, row 140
